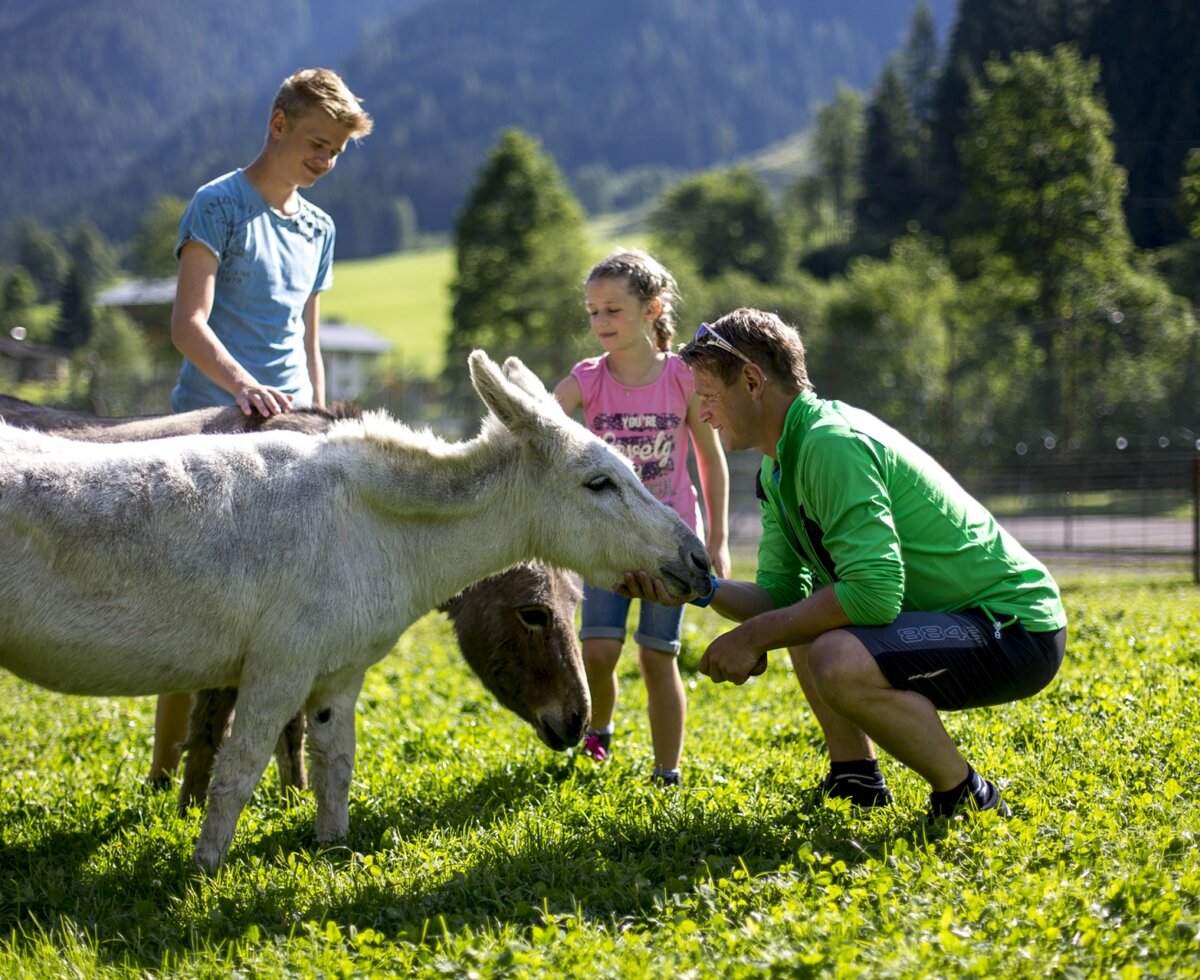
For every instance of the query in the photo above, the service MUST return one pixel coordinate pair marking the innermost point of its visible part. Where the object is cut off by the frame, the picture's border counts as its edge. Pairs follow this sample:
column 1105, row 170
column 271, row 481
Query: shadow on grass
column 615, row 871
column 39, row 880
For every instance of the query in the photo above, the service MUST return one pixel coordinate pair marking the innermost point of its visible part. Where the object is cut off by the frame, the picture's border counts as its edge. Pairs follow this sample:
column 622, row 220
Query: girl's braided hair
column 648, row 280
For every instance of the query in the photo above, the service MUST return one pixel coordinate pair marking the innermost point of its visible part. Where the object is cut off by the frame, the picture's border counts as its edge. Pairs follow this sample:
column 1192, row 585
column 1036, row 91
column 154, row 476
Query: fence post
column 1196, row 519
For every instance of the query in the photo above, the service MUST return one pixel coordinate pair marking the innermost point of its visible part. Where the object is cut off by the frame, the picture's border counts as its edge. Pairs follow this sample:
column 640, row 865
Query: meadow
column 405, row 296
column 476, row 852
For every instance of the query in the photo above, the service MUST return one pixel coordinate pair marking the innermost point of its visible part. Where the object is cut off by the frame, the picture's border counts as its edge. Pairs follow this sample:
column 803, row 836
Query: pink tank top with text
column 648, row 425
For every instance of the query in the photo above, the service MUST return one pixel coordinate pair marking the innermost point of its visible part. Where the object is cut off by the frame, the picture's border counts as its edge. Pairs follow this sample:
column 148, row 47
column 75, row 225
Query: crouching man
column 896, row 594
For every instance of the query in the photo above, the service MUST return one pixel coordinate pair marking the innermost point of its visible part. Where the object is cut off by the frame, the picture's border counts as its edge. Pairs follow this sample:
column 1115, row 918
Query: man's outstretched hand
column 641, row 585
column 729, row 659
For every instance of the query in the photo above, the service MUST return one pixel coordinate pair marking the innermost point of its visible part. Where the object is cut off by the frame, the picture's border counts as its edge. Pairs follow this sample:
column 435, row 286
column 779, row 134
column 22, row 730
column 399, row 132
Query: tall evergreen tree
column 838, row 147
column 521, row 256
column 1149, row 63
column 891, row 183
column 920, row 66
column 152, row 253
column 1043, row 223
column 899, row 121
column 44, row 258
column 90, row 251
column 91, row 264
column 76, row 310
column 822, row 206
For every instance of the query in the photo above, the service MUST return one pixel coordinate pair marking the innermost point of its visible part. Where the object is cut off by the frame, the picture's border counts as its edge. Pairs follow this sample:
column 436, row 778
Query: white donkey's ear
column 519, row 411
column 516, row 372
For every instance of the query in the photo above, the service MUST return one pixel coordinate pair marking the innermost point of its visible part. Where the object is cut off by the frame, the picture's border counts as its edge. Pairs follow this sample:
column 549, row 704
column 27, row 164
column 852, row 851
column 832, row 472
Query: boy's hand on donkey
column 263, row 399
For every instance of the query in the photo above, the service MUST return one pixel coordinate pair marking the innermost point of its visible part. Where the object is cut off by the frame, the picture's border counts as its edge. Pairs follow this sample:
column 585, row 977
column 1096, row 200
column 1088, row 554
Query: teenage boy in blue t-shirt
column 254, row 257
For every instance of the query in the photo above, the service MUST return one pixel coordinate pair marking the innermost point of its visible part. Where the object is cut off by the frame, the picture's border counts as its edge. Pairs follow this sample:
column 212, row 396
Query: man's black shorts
column 962, row 660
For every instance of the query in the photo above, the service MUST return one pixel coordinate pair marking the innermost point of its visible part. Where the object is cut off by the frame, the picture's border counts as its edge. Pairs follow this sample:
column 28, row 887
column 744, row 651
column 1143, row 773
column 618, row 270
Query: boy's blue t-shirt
column 269, row 266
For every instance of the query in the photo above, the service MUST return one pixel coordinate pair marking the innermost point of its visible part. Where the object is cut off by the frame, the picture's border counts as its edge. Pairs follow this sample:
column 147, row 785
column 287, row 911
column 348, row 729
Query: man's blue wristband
column 704, row 600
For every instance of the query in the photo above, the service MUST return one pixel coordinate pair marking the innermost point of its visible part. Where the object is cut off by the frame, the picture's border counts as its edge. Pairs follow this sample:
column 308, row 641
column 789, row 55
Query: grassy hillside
column 404, row 297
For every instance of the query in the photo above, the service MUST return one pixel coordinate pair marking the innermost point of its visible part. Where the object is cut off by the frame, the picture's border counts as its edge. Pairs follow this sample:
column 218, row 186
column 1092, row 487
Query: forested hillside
column 88, row 85
column 1149, row 56
column 115, row 102
column 615, row 85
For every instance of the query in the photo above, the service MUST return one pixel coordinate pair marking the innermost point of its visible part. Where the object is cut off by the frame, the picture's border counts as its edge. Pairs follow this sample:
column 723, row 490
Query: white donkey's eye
column 600, row 483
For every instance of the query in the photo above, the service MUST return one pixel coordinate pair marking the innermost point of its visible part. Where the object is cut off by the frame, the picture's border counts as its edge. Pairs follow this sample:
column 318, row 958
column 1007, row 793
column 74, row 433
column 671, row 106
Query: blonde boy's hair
column 321, row 88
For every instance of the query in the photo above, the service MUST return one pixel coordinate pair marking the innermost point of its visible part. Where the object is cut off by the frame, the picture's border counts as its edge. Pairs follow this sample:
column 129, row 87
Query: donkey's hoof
column 206, row 861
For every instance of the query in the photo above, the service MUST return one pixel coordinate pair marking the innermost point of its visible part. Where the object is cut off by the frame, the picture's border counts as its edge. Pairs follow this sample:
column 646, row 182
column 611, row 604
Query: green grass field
column 404, row 297
column 476, row 852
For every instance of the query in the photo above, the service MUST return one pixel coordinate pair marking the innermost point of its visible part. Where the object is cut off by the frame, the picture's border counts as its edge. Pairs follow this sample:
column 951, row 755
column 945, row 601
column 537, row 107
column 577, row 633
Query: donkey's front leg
column 331, row 745
column 264, row 705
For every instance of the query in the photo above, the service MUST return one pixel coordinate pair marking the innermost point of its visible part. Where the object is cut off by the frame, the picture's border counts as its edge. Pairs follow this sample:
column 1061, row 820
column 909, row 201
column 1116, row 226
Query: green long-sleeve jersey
column 851, row 502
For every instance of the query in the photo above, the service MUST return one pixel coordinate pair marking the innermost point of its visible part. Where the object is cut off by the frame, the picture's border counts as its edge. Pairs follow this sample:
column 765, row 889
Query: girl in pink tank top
column 639, row 398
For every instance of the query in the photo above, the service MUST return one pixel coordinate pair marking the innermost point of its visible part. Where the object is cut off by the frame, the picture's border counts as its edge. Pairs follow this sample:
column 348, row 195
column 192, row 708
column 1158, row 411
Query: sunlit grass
column 404, row 297
column 476, row 851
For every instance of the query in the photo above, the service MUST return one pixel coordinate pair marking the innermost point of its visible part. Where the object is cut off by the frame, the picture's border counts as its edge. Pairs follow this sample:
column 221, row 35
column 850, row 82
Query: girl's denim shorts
column 605, row 613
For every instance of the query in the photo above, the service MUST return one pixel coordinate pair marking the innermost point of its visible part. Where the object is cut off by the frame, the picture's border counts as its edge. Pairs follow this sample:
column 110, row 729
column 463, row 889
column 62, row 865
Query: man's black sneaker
column 861, row 790
column 973, row 796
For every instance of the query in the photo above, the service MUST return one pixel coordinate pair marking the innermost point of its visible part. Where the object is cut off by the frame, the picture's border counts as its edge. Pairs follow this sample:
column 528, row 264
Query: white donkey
column 286, row 564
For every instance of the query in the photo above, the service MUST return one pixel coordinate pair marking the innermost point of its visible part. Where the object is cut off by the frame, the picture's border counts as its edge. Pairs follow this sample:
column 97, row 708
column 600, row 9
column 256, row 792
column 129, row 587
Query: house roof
column 352, row 338
column 139, row 292
column 335, row 337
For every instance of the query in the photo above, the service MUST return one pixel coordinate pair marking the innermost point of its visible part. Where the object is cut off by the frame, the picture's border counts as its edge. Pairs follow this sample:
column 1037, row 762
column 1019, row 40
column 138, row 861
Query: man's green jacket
column 851, row 502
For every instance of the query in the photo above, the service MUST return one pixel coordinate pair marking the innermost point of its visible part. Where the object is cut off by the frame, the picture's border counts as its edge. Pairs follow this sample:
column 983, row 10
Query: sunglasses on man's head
column 706, row 335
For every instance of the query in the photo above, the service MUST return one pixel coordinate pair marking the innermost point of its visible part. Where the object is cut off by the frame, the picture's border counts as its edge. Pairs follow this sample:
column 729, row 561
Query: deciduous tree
column 1043, row 222
column 889, row 340
column 722, row 220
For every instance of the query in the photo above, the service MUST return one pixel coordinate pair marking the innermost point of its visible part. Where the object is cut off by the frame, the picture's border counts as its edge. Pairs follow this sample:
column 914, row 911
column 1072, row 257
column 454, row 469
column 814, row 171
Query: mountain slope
column 88, row 85
column 681, row 84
